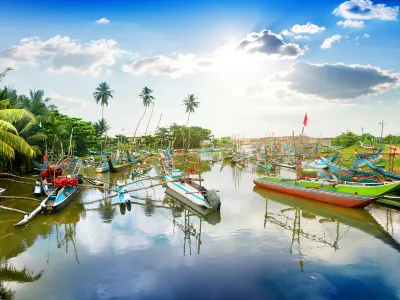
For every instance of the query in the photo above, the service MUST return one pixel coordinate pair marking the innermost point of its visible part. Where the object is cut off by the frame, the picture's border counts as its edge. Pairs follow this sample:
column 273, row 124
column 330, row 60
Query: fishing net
column 64, row 181
column 51, row 172
column 213, row 198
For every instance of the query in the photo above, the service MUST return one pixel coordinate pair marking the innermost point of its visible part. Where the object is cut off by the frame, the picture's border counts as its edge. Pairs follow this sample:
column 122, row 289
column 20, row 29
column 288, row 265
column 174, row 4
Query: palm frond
column 15, row 114
column 6, row 151
column 17, row 143
column 7, row 126
column 37, row 138
column 4, row 73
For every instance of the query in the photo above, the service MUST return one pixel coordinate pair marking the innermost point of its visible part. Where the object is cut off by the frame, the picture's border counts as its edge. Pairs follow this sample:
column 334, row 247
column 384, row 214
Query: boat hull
column 183, row 188
column 341, row 199
column 50, row 209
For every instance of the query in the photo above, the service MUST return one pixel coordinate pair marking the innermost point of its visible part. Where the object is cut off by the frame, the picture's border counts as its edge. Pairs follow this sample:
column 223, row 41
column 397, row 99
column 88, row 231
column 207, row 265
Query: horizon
column 256, row 67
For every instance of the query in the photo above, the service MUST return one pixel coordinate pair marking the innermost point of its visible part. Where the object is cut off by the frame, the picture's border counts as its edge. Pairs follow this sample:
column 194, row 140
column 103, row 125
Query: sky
column 256, row 67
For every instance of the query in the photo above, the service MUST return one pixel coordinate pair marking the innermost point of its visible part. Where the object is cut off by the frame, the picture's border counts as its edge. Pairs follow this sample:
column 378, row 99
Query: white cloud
column 351, row 23
column 271, row 44
column 307, row 28
column 286, row 32
column 67, row 103
column 357, row 37
column 63, row 54
column 366, row 36
column 102, row 21
column 327, row 43
column 366, row 10
column 337, row 81
column 163, row 65
column 301, row 37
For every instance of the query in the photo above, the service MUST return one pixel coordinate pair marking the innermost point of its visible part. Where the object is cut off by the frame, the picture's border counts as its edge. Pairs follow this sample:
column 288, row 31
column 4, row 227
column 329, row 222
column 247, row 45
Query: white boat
column 189, row 190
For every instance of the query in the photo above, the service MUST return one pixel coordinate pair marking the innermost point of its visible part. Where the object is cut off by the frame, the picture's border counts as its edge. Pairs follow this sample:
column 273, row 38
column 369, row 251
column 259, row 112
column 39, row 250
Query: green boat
column 209, row 150
column 391, row 200
column 355, row 188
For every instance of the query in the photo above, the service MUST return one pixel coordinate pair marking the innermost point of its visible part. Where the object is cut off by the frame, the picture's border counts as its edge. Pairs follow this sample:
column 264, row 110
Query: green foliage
column 346, row 139
column 178, row 135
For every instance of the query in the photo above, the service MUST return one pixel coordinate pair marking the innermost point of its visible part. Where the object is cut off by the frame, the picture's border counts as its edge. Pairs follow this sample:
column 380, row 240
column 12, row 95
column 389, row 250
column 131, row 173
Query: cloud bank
column 366, row 10
column 337, row 81
column 271, row 44
column 63, row 54
column 166, row 66
column 307, row 28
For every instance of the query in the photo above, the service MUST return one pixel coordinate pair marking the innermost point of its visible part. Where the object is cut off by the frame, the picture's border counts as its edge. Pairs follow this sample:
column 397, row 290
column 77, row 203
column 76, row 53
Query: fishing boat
column 209, row 150
column 117, row 167
column 319, row 163
column 123, row 196
column 363, row 158
column 367, row 146
column 390, row 199
column 180, row 187
column 48, row 175
column 103, row 168
column 93, row 181
column 66, row 191
column 382, row 174
column 191, row 191
column 352, row 175
column 270, row 167
column 346, row 194
column 38, row 188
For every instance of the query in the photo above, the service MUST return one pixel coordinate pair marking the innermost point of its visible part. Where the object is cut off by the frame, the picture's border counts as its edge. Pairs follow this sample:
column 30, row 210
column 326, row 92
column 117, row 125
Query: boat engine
column 214, row 199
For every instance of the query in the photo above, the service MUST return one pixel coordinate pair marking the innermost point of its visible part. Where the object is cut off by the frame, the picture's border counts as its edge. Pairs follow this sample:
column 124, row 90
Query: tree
column 102, row 94
column 346, row 139
column 151, row 114
column 10, row 140
column 190, row 104
column 147, row 99
column 101, row 127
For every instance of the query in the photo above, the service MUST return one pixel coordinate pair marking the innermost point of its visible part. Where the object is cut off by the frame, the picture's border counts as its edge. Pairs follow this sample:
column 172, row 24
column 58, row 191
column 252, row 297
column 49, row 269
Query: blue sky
column 335, row 60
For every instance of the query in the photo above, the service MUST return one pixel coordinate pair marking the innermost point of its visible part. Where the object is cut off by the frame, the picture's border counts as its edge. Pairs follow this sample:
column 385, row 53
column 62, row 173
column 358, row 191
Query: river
column 261, row 245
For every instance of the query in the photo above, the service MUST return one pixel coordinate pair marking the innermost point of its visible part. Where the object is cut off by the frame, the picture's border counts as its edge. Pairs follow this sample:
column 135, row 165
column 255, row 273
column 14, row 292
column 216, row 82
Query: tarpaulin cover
column 64, row 181
column 51, row 171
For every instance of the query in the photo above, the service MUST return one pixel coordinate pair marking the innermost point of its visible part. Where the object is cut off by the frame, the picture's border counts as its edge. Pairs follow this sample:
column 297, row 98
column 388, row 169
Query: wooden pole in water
column 20, row 197
column 12, row 209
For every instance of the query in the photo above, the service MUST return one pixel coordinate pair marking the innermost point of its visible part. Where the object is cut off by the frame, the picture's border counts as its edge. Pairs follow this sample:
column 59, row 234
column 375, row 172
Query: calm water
column 262, row 245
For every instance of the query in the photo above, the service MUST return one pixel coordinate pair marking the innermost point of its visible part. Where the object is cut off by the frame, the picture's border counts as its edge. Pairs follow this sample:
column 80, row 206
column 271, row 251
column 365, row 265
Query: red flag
column 305, row 120
column 122, row 129
column 191, row 170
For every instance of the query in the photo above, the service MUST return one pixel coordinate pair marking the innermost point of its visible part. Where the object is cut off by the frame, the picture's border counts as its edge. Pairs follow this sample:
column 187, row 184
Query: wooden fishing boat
column 363, row 158
column 319, row 163
column 191, row 191
column 103, row 168
column 38, row 188
column 367, row 146
column 123, row 195
column 347, row 194
column 352, row 175
column 59, row 199
column 390, row 199
column 382, row 174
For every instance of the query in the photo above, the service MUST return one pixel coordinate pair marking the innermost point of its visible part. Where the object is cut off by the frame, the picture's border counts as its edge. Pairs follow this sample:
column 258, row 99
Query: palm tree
column 102, row 94
column 10, row 140
column 101, row 127
column 190, row 104
column 4, row 73
column 147, row 99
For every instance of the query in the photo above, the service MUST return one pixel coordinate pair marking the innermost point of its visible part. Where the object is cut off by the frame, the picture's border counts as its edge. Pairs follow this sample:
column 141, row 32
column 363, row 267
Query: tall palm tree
column 190, row 104
column 152, row 108
column 147, row 99
column 102, row 94
column 101, row 127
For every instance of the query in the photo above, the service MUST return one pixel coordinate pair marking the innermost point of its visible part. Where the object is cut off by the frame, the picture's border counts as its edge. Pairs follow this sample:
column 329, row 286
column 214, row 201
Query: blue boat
column 319, row 163
column 59, row 199
column 382, row 174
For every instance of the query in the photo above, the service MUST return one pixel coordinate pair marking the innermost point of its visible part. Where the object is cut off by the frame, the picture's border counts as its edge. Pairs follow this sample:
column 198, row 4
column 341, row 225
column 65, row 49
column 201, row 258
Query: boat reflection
column 299, row 211
column 189, row 219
